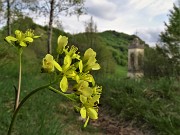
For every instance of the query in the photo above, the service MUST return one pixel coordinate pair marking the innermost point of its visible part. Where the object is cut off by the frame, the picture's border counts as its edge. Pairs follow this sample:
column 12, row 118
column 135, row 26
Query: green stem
column 61, row 93
column 19, row 83
column 21, row 104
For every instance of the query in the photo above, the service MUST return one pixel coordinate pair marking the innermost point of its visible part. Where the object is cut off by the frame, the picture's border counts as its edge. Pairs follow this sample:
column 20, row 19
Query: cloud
column 102, row 9
column 128, row 16
column 151, row 36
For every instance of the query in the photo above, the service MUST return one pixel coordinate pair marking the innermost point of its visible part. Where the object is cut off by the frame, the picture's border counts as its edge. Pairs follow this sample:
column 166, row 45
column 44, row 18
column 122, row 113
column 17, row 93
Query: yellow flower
column 84, row 89
column 88, row 112
column 67, row 63
column 64, row 84
column 62, row 42
column 30, row 33
column 49, row 63
column 72, row 52
column 89, row 61
column 21, row 39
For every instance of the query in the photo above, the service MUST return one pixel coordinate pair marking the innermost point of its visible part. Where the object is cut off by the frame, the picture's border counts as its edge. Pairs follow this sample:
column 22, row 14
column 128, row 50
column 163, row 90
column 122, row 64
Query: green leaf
column 64, row 84
column 72, row 97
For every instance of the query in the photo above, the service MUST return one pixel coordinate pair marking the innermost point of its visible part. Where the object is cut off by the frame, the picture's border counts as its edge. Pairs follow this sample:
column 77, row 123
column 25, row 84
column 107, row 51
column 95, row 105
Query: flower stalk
column 73, row 70
column 19, row 83
column 22, row 103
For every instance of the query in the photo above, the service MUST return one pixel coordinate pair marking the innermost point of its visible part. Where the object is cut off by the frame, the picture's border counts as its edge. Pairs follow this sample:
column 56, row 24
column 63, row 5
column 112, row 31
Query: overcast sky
column 144, row 17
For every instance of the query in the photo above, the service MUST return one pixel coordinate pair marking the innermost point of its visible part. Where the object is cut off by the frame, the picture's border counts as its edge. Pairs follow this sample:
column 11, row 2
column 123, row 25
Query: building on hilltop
column 135, row 59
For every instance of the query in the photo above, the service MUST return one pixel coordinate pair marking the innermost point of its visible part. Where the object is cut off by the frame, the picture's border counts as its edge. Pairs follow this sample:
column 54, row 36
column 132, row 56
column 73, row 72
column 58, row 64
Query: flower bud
column 62, row 42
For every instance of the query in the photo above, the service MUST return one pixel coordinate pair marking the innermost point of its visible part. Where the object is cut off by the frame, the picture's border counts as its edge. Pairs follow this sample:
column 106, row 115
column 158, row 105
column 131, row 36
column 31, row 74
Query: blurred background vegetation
column 152, row 102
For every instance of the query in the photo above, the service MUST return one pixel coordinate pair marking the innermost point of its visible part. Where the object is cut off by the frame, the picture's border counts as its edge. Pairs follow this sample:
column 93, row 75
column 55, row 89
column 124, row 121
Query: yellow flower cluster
column 77, row 68
column 21, row 39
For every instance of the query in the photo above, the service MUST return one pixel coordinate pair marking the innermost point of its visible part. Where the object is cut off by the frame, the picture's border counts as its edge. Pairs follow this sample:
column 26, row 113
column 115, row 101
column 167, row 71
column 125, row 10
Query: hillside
column 111, row 46
column 145, row 106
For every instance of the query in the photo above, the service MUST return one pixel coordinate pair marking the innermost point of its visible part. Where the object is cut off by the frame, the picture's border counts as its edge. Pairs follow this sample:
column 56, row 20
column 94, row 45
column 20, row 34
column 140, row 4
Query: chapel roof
column 136, row 44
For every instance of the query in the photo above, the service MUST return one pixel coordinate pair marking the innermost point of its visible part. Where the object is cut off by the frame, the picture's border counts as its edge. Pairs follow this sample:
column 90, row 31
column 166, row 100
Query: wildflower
column 89, row 108
column 64, row 84
column 62, row 42
column 77, row 68
column 49, row 63
column 72, row 52
column 30, row 33
column 21, row 39
column 89, row 61
column 83, row 88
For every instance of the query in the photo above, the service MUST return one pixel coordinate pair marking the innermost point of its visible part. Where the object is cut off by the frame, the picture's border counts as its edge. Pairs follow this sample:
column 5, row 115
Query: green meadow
column 149, row 104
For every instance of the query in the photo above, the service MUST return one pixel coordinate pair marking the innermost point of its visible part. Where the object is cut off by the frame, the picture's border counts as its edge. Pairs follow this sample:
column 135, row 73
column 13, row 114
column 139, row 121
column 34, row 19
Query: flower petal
column 83, row 112
column 80, row 66
column 57, row 65
column 62, row 42
column 10, row 38
column 36, row 36
column 83, row 99
column 64, row 84
column 28, row 39
column 67, row 62
column 92, row 113
column 89, row 53
column 96, row 66
column 22, row 44
column 87, row 92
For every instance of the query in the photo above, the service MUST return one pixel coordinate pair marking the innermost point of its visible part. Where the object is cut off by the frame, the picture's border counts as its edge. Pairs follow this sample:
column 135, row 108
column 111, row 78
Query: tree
column 11, row 10
column 8, row 17
column 90, row 26
column 90, row 29
column 170, row 40
column 7, row 8
column 155, row 64
column 53, row 8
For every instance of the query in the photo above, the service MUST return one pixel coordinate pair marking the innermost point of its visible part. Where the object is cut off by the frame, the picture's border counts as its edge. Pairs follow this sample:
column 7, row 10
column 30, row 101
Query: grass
column 121, row 71
column 45, row 112
column 154, row 104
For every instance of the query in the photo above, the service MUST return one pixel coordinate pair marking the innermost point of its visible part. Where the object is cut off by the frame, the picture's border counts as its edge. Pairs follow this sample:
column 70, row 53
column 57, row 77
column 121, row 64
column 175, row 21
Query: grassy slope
column 152, row 102
column 46, row 112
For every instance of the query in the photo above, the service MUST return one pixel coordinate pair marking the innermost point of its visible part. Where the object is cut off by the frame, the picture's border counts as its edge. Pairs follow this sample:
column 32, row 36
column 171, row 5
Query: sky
column 144, row 18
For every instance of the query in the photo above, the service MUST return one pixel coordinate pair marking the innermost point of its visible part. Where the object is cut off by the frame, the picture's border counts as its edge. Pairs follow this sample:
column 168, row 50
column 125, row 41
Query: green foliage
column 170, row 39
column 149, row 103
column 36, row 117
column 155, row 64
column 111, row 46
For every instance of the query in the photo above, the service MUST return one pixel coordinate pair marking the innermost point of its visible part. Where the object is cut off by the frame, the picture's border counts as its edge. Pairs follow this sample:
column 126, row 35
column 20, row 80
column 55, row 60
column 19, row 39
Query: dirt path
column 112, row 126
